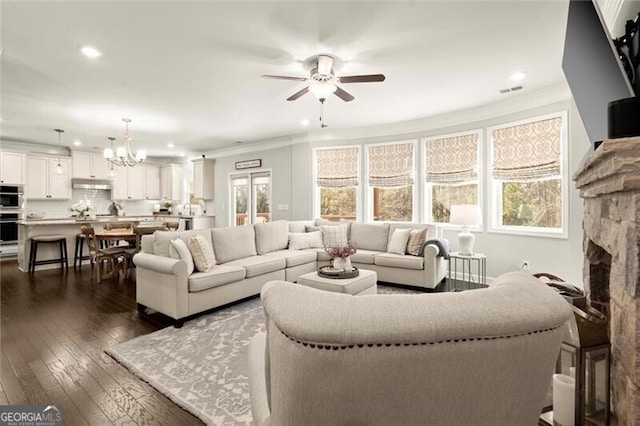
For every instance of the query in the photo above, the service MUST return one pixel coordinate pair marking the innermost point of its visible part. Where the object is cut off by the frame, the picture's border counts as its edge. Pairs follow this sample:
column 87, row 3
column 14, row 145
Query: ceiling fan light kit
column 323, row 81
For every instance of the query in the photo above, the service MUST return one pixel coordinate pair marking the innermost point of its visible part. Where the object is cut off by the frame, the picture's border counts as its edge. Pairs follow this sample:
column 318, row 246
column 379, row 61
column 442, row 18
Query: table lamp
column 466, row 215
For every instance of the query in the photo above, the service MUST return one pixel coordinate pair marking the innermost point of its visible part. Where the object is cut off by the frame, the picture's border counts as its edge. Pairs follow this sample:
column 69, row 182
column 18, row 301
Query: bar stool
column 61, row 240
column 79, row 249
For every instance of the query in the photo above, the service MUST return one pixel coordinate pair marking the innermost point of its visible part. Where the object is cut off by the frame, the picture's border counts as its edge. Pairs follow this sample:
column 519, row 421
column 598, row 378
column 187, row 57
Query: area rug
column 202, row 366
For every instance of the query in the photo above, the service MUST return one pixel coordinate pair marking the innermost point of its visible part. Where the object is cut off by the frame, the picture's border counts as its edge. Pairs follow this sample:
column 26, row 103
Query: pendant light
column 59, row 169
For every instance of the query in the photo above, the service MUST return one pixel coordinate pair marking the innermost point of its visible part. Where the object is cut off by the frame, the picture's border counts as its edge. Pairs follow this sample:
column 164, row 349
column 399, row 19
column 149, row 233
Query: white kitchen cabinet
column 43, row 181
column 203, row 178
column 89, row 165
column 12, row 166
column 152, row 182
column 129, row 183
column 171, row 182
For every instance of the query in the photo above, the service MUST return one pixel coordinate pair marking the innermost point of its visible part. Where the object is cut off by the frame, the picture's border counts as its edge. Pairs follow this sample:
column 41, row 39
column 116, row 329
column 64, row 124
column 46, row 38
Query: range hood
column 104, row 185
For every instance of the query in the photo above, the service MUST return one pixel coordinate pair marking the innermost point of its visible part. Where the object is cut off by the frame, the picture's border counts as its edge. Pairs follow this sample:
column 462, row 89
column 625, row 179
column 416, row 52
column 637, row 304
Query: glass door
column 250, row 198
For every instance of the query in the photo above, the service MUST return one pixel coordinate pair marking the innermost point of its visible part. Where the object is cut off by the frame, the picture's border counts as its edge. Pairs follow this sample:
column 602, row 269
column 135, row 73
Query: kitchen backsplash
column 100, row 200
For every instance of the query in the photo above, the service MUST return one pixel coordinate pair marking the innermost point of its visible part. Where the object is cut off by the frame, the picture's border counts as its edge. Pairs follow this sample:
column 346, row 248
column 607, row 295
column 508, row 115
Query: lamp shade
column 465, row 214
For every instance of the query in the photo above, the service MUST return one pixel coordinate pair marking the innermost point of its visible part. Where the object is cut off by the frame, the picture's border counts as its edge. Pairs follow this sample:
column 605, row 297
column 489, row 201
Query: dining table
column 111, row 236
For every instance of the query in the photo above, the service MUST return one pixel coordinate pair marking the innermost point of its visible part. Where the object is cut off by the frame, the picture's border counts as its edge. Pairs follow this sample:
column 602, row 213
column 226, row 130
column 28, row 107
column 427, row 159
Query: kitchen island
column 69, row 228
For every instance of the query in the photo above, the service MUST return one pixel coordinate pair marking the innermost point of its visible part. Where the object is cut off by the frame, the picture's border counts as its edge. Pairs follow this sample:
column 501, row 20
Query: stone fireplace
column 609, row 182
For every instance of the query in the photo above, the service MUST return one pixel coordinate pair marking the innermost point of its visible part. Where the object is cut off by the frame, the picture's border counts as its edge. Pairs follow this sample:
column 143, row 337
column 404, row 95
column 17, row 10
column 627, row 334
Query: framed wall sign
column 248, row 164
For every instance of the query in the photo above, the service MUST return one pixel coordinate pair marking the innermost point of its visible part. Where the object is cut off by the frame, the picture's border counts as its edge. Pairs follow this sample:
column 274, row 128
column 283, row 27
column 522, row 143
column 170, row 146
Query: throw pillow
column 417, row 239
column 399, row 239
column 310, row 228
column 202, row 253
column 178, row 250
column 305, row 240
column 335, row 236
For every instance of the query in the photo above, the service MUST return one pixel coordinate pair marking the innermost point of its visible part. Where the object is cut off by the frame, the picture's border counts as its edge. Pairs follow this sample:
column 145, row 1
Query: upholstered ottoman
column 364, row 283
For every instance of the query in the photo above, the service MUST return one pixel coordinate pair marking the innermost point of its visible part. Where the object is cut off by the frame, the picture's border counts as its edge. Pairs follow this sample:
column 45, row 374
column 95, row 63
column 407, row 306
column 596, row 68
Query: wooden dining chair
column 115, row 256
column 141, row 230
column 109, row 226
column 172, row 226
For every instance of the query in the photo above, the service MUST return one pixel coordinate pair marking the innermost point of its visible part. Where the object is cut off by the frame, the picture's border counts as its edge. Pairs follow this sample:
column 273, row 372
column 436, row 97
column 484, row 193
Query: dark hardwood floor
column 54, row 328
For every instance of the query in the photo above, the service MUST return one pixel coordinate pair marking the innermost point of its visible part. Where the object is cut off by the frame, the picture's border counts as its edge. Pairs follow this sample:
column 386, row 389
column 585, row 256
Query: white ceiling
column 189, row 73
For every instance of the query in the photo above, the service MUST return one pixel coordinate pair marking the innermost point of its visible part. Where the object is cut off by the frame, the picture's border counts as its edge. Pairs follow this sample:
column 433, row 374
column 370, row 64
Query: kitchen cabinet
column 152, row 182
column 89, row 165
column 43, row 181
column 171, row 182
column 128, row 183
column 12, row 165
column 203, row 178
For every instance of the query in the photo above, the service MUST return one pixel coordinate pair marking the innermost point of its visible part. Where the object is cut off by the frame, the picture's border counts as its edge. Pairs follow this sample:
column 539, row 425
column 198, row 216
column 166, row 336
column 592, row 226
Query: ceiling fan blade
column 284, row 77
column 298, row 94
column 343, row 95
column 369, row 78
column 325, row 62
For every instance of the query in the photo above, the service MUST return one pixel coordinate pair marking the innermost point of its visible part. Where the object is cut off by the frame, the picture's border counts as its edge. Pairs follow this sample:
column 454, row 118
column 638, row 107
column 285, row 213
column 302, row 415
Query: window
column 251, row 198
column 451, row 171
column 528, row 187
column 337, row 183
column 391, row 188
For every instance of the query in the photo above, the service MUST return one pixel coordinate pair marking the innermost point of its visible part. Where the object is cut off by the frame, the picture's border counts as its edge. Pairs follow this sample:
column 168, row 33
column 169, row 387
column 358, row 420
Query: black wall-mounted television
column 592, row 67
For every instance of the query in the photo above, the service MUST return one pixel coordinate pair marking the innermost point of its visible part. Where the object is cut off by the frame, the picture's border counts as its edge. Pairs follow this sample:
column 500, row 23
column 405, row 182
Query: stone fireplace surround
column 609, row 183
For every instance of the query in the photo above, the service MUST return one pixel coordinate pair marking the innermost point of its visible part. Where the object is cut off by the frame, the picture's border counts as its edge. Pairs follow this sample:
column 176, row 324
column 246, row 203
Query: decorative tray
column 330, row 272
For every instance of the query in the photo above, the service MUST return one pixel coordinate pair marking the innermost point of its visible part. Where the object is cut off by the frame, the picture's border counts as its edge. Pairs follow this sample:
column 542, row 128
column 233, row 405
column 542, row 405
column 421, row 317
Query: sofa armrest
column 161, row 264
column 162, row 284
column 435, row 264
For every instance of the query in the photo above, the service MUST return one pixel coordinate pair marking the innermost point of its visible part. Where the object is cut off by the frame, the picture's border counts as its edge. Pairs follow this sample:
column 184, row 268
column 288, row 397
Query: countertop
column 104, row 219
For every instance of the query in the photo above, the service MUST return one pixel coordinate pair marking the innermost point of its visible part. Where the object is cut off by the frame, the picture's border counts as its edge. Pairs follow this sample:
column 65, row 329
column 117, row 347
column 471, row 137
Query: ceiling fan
column 323, row 81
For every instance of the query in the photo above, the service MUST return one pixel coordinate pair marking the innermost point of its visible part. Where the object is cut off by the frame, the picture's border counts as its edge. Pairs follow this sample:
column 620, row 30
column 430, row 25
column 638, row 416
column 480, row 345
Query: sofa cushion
column 161, row 239
column 431, row 229
column 335, row 236
column 202, row 253
column 235, row 242
column 322, row 222
column 305, row 240
column 364, row 256
column 299, row 225
column 370, row 236
column 258, row 265
column 271, row 236
column 215, row 277
column 294, row 257
column 398, row 241
column 399, row 261
column 321, row 254
column 417, row 238
column 178, row 250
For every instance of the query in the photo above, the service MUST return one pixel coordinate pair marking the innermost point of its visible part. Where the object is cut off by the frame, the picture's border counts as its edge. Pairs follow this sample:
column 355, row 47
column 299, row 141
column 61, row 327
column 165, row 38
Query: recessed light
column 304, row 121
column 181, row 154
column 518, row 76
column 90, row 52
column 77, row 143
column 170, row 145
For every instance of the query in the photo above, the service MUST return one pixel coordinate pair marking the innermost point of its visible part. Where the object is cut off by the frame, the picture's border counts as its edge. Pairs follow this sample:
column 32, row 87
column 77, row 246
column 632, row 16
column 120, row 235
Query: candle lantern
column 583, row 370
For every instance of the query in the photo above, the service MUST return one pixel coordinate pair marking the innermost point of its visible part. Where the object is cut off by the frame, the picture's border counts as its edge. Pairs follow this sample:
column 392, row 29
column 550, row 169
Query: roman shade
column 453, row 159
column 391, row 165
column 527, row 151
column 337, row 167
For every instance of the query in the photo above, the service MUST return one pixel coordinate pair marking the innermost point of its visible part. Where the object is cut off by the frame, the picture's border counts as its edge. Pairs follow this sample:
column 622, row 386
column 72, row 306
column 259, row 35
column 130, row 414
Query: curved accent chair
column 481, row 357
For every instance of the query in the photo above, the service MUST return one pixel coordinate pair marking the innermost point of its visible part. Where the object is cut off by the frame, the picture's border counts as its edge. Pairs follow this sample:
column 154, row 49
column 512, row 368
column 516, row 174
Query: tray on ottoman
column 330, row 272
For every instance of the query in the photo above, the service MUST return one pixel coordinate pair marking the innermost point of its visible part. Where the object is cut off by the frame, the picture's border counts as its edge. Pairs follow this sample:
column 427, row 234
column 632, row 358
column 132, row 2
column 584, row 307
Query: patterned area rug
column 202, row 366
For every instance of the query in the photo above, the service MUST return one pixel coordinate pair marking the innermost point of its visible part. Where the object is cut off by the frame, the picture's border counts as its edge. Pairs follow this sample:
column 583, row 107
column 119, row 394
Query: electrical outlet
column 525, row 265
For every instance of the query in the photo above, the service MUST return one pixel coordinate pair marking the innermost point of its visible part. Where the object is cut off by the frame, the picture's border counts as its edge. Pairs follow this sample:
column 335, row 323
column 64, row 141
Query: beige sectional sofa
column 249, row 256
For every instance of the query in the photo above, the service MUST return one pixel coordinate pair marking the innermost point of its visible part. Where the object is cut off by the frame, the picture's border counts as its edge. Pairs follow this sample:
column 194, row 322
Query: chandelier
column 123, row 155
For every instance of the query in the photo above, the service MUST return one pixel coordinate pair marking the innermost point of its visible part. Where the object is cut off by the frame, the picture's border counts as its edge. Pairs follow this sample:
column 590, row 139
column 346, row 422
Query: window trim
column 314, row 173
column 427, row 186
column 495, row 192
column 368, row 205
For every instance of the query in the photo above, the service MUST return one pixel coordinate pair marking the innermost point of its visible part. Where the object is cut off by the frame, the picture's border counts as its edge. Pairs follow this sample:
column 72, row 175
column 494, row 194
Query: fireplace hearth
column 609, row 183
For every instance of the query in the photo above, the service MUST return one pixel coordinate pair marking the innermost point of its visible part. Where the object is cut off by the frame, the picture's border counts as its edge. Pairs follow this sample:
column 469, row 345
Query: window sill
column 529, row 232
